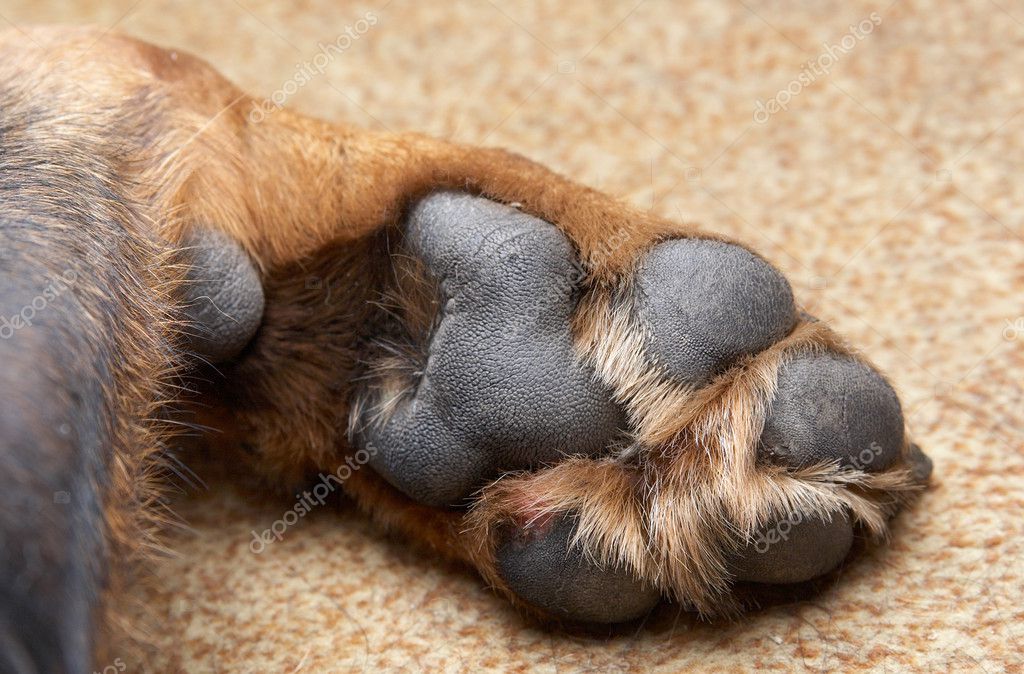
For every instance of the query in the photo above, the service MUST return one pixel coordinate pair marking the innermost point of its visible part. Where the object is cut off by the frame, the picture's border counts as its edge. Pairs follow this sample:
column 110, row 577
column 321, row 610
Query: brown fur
column 315, row 205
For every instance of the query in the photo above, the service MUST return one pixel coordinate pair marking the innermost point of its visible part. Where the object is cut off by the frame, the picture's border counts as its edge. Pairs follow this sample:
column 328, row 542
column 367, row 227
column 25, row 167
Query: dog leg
column 86, row 348
column 99, row 317
column 584, row 401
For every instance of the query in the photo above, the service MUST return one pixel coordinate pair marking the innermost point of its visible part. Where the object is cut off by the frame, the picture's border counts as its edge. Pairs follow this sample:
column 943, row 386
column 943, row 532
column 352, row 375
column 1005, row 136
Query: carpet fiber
column 872, row 150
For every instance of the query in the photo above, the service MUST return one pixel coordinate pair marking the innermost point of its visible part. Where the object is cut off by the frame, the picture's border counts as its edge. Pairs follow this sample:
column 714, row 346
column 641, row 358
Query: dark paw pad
column 223, row 296
column 541, row 566
column 827, row 408
column 794, row 549
column 920, row 464
column 833, row 408
column 501, row 389
column 706, row 303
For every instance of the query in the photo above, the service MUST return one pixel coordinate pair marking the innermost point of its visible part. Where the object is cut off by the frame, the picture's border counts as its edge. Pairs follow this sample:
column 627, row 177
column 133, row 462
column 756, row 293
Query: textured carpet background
column 889, row 191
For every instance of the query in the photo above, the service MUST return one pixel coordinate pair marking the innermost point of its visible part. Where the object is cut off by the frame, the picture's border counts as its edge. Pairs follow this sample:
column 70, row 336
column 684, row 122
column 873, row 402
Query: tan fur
column 396, row 357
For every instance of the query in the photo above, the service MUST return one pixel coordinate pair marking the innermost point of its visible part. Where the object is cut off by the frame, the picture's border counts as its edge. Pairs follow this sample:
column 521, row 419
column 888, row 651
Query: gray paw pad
column 223, row 297
column 920, row 464
column 707, row 303
column 829, row 407
column 502, row 389
column 540, row 567
column 795, row 549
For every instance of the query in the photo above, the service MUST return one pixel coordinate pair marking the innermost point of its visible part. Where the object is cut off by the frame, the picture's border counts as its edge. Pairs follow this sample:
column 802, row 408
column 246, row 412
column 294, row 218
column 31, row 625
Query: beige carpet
column 889, row 190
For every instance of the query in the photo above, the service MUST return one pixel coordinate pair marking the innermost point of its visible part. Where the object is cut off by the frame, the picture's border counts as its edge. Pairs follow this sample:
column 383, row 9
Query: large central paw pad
column 502, row 388
column 681, row 428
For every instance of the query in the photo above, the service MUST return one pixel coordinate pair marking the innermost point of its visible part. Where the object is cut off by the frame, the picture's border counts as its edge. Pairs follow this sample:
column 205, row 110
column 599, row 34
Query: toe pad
column 707, row 303
column 540, row 566
column 829, row 407
column 795, row 549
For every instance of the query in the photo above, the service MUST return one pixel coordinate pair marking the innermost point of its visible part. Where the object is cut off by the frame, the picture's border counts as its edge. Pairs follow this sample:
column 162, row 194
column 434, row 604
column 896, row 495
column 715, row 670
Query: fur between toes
column 709, row 493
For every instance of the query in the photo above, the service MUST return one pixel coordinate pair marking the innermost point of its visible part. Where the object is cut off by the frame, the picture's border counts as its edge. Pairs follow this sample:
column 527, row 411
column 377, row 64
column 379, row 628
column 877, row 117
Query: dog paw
column 667, row 433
